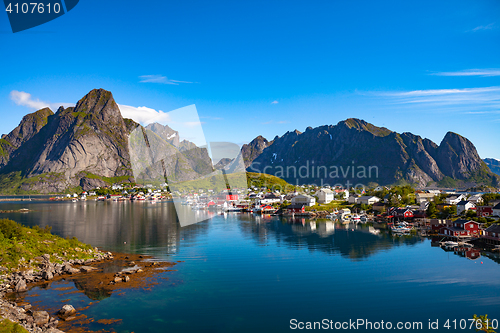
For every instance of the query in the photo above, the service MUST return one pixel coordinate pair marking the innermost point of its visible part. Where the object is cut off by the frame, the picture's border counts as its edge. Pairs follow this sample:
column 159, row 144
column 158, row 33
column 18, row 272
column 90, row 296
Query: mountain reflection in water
column 246, row 273
column 355, row 241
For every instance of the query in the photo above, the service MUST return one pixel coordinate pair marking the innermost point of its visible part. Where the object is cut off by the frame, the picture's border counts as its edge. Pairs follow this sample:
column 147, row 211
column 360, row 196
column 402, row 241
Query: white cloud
column 25, row 99
column 484, row 100
column 184, row 120
column 160, row 79
column 484, row 27
column 274, row 102
column 143, row 114
column 441, row 92
column 472, row 72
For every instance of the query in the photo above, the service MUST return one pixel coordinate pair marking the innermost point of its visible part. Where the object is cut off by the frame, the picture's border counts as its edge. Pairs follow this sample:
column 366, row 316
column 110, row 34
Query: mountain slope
column 87, row 146
column 253, row 149
column 493, row 164
column 357, row 152
column 89, row 139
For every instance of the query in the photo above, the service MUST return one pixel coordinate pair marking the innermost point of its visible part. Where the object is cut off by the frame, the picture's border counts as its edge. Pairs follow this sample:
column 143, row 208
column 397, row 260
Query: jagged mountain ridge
column 354, row 144
column 83, row 146
column 89, row 145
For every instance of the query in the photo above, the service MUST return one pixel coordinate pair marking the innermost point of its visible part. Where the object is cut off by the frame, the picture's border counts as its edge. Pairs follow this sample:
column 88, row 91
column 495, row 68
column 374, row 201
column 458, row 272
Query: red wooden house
column 295, row 209
column 401, row 213
column 492, row 234
column 484, row 211
column 462, row 228
column 437, row 224
column 232, row 197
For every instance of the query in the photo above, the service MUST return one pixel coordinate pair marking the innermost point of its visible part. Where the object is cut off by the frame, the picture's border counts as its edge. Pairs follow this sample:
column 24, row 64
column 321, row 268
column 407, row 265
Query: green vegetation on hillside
column 481, row 177
column 236, row 180
column 14, row 182
column 3, row 144
column 7, row 326
column 268, row 181
column 488, row 197
column 20, row 244
column 107, row 180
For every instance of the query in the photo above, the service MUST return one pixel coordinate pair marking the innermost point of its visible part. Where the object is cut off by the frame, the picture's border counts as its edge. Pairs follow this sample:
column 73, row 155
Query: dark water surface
column 242, row 273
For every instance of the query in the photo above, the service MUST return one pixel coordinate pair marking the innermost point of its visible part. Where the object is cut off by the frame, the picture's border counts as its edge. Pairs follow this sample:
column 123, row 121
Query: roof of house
column 305, row 195
column 493, row 228
column 400, row 210
column 426, row 195
column 295, row 206
column 368, row 197
column 455, row 229
column 463, row 221
column 497, row 206
column 325, row 190
column 463, row 203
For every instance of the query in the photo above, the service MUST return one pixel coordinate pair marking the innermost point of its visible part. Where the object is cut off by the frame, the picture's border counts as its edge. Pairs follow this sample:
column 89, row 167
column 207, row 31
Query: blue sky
column 267, row 67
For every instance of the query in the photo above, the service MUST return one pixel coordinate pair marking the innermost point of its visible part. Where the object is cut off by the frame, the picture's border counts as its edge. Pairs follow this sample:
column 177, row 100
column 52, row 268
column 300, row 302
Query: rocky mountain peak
column 253, row 149
column 165, row 132
column 28, row 127
column 99, row 102
column 361, row 125
column 355, row 144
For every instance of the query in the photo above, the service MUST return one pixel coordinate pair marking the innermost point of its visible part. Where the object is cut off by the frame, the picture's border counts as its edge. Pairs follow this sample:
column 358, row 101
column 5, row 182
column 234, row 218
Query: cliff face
column 86, row 145
column 250, row 151
column 359, row 152
column 91, row 145
column 165, row 132
column 30, row 125
column 75, row 147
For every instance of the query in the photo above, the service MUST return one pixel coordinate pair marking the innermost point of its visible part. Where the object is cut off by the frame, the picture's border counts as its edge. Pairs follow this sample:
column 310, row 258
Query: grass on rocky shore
column 20, row 244
column 7, row 326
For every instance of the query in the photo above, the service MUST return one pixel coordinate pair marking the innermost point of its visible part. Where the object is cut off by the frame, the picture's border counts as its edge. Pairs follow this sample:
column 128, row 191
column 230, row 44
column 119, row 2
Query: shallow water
column 242, row 273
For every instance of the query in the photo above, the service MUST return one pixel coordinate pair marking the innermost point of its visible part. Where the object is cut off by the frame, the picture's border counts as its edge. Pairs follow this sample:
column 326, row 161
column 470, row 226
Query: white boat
column 232, row 209
column 400, row 230
column 450, row 244
column 74, row 200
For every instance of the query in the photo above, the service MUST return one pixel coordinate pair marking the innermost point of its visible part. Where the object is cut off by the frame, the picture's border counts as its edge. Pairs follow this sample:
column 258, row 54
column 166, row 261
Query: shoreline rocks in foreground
column 96, row 278
column 17, row 282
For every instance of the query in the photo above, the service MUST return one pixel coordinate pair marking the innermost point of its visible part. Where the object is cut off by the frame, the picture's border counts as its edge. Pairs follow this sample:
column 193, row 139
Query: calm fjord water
column 241, row 273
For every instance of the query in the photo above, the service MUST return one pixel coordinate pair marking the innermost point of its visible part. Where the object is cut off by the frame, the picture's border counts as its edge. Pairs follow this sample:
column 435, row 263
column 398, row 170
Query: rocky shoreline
column 96, row 277
column 37, row 270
